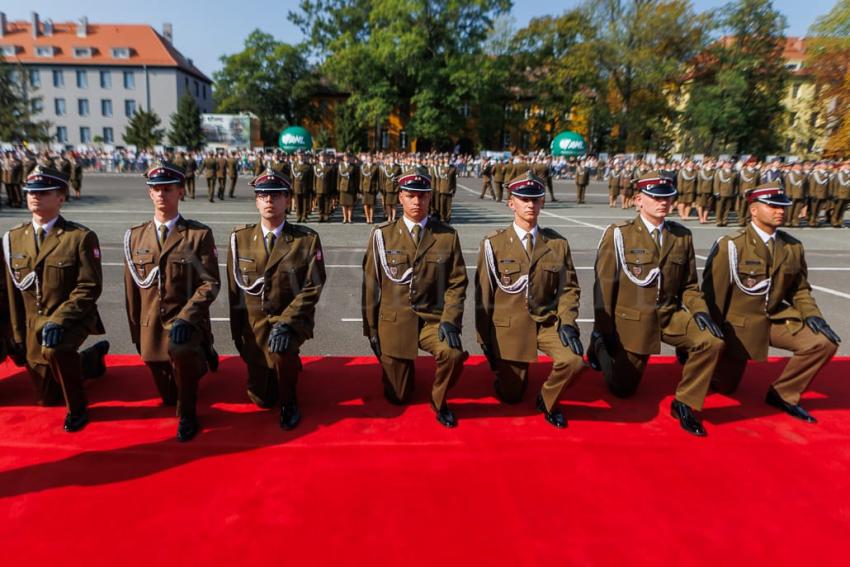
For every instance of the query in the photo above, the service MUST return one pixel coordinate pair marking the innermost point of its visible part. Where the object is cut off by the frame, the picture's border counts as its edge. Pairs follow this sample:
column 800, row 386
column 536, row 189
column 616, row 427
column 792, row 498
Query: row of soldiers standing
column 496, row 173
column 820, row 191
column 16, row 166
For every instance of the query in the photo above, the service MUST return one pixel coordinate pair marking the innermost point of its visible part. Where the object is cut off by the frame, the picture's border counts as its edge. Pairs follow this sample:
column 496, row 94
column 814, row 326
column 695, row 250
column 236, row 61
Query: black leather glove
column 489, row 356
column 569, row 336
column 375, row 345
column 704, row 321
column 280, row 338
column 51, row 334
column 181, row 331
column 450, row 334
column 818, row 325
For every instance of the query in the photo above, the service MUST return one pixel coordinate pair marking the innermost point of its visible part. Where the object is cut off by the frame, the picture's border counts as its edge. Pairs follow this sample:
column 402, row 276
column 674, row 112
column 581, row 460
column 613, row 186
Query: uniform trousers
column 177, row 378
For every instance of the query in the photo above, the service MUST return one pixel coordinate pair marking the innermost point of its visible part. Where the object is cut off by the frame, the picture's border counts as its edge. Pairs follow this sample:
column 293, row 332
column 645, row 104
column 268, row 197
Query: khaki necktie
column 39, row 238
column 771, row 244
column 163, row 234
column 529, row 245
column 656, row 236
column 270, row 240
column 415, row 234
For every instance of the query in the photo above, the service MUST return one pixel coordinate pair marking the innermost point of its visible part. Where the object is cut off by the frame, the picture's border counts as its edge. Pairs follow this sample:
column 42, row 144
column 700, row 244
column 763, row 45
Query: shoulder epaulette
column 243, row 227
column 301, row 229
column 551, row 233
column 196, row 224
column 788, row 238
column 385, row 224
column 140, row 225
column 496, row 232
column 19, row 227
column 624, row 223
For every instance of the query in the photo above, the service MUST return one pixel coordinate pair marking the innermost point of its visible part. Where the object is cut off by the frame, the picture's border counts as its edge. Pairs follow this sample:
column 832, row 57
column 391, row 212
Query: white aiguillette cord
column 516, row 287
column 380, row 253
column 255, row 288
column 621, row 260
column 152, row 276
column 28, row 280
column 761, row 288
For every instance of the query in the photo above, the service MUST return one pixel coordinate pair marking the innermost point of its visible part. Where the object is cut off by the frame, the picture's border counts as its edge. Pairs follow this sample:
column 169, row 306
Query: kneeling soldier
column 54, row 278
column 170, row 280
column 275, row 274
column 414, row 286
column 526, row 298
column 646, row 292
column 755, row 285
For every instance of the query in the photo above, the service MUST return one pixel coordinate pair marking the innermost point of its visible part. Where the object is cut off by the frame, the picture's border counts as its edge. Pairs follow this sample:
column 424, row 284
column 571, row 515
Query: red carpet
column 364, row 482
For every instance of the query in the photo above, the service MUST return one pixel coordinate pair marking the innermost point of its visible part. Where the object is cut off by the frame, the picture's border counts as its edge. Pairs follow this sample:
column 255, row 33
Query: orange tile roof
column 147, row 47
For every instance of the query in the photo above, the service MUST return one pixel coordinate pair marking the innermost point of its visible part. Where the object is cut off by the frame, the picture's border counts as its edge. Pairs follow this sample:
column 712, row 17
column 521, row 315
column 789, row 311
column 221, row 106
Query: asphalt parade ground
column 112, row 203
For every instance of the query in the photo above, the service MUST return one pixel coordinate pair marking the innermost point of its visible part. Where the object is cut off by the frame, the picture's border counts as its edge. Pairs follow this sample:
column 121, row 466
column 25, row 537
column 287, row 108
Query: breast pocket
column 751, row 272
column 143, row 264
column 639, row 264
column 180, row 268
column 509, row 271
column 397, row 262
column 20, row 267
column 60, row 270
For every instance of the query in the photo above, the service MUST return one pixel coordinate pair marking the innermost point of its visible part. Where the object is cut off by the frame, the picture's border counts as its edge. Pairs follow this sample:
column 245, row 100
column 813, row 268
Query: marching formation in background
column 754, row 292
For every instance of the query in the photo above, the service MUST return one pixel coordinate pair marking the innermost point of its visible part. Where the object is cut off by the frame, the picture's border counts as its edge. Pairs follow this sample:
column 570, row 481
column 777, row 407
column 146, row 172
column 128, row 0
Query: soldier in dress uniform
column 171, row 278
column 369, row 176
column 582, row 181
column 819, row 191
column 76, row 174
column 613, row 175
column 208, row 166
column 391, row 171
column 726, row 189
column 748, row 178
column 324, row 182
column 12, row 179
column 302, row 186
column 487, row 179
column 232, row 164
column 221, row 173
column 840, row 194
column 646, row 292
column 527, row 298
column 275, row 273
column 348, row 184
column 796, row 186
column 259, row 163
column 498, row 179
column 446, row 190
column 756, row 287
column 414, row 286
column 53, row 280
column 626, row 182
column 686, row 185
column 705, row 190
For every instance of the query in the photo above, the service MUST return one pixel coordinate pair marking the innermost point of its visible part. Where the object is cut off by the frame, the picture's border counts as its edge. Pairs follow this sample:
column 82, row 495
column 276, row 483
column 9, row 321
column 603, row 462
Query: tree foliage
column 828, row 62
column 735, row 101
column 272, row 79
column 186, row 124
column 143, row 130
column 16, row 107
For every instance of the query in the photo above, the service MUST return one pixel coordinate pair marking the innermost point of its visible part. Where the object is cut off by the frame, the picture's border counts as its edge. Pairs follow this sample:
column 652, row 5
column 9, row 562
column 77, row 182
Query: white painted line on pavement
column 219, row 319
column 831, row 291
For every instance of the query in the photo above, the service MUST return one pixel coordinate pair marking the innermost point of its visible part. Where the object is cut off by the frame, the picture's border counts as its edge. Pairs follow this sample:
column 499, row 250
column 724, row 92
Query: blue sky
column 205, row 31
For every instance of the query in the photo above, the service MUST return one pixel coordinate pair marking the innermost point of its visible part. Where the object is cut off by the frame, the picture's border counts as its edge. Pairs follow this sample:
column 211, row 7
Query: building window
column 106, row 107
column 37, row 105
column 82, row 80
column 464, row 110
column 106, row 79
column 83, row 106
column 197, row 89
column 186, row 82
column 82, row 52
column 120, row 52
column 385, row 139
column 129, row 80
column 35, row 77
column 525, row 139
column 62, row 134
column 8, row 50
column 44, row 51
column 795, row 91
column 506, row 140
column 58, row 79
column 59, row 106
column 85, row 135
column 108, row 137
column 402, row 137
column 129, row 108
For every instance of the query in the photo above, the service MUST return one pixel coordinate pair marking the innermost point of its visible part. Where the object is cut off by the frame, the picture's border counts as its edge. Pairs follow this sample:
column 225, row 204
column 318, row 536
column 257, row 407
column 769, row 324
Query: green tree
column 642, row 49
column 424, row 59
column 16, row 107
column 143, row 131
column 186, row 124
column 349, row 132
column 739, row 82
column 828, row 63
column 274, row 80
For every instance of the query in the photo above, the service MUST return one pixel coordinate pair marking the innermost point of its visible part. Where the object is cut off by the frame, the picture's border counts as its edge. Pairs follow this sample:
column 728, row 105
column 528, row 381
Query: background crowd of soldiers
column 16, row 165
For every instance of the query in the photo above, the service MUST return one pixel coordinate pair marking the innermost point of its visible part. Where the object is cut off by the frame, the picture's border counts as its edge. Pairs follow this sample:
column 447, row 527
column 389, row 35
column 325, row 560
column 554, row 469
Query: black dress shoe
column 290, row 416
column 259, row 401
column 687, row 419
column 92, row 360
column 774, row 399
column 555, row 417
column 445, row 416
column 76, row 421
column 187, row 428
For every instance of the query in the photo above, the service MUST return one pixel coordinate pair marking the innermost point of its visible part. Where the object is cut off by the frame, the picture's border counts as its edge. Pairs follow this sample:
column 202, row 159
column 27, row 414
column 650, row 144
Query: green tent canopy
column 295, row 138
column 568, row 144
